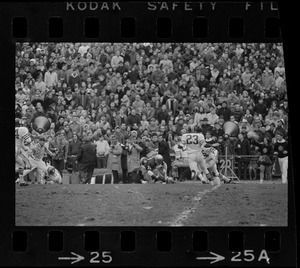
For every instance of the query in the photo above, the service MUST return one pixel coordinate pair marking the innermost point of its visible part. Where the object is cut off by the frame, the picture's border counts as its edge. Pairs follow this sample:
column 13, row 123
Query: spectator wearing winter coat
column 86, row 158
column 242, row 148
column 203, row 83
column 224, row 111
column 260, row 108
column 74, row 146
column 133, row 150
column 172, row 104
column 114, row 158
column 133, row 118
column 163, row 115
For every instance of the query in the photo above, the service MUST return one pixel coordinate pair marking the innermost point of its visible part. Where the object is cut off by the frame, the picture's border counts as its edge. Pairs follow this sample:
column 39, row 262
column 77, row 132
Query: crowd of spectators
column 149, row 94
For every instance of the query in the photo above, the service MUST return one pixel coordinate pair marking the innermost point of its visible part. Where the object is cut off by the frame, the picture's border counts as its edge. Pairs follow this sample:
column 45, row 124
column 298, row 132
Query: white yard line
column 182, row 217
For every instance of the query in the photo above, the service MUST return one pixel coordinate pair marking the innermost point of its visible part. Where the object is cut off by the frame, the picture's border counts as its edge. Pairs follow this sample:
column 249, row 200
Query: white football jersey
column 193, row 141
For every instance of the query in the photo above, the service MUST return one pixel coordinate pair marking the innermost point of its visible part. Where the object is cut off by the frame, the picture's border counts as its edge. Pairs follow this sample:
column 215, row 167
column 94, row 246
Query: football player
column 192, row 144
column 211, row 158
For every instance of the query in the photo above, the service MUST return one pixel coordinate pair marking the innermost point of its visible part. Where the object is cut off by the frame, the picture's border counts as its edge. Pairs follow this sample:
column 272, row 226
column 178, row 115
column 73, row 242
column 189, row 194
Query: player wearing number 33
column 192, row 144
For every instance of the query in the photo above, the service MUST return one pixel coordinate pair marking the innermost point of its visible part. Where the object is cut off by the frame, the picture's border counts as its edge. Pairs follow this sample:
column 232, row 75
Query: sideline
column 182, row 217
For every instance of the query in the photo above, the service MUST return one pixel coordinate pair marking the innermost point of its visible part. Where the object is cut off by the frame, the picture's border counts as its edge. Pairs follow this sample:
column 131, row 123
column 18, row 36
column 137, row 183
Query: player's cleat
column 170, row 180
column 193, row 175
column 208, row 176
column 225, row 179
column 24, row 183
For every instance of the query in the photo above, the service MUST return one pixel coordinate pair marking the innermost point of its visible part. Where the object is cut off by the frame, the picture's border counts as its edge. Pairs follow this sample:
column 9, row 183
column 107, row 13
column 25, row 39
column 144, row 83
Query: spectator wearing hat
column 86, row 158
column 114, row 158
column 281, row 151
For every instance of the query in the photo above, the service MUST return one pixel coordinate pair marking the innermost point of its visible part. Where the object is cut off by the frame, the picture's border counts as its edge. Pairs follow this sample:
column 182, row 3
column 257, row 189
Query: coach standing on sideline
column 86, row 158
column 281, row 150
column 114, row 158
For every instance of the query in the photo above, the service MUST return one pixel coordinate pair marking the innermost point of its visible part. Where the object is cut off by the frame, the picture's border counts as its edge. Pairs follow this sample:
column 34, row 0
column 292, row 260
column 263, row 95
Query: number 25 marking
column 106, row 258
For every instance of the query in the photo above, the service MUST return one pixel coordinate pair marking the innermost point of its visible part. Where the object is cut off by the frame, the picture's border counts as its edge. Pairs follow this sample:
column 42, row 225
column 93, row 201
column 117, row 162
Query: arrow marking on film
column 76, row 259
column 216, row 258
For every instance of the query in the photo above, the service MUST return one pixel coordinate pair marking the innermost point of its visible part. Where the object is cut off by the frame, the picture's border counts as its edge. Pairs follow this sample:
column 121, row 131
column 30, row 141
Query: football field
column 247, row 203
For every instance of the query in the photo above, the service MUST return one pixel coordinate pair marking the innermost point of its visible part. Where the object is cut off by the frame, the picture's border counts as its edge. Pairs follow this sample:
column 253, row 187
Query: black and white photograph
column 151, row 134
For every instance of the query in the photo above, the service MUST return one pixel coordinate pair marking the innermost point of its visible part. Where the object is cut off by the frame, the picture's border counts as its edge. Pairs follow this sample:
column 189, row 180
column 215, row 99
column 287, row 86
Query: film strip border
column 149, row 247
column 151, row 21
column 142, row 246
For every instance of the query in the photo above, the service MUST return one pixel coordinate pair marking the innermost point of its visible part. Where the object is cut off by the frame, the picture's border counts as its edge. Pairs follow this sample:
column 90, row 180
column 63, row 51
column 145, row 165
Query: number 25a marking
column 248, row 256
column 106, row 258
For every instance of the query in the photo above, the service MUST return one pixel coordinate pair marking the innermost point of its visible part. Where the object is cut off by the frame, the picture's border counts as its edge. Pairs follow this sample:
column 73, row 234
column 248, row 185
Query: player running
column 192, row 144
